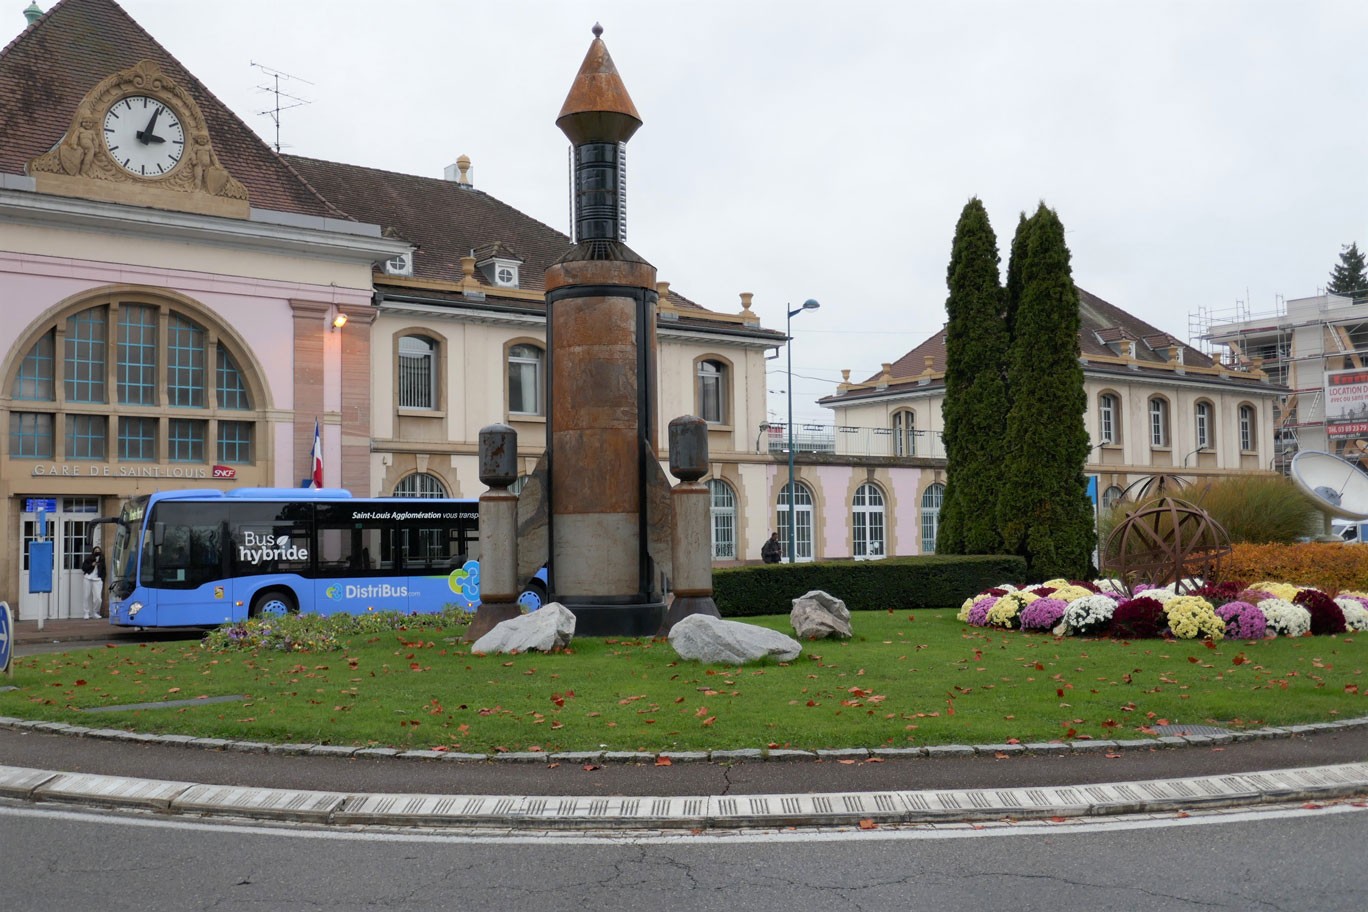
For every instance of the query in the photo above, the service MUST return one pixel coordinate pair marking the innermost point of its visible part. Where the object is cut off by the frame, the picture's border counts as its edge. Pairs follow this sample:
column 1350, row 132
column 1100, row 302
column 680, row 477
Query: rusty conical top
column 598, row 108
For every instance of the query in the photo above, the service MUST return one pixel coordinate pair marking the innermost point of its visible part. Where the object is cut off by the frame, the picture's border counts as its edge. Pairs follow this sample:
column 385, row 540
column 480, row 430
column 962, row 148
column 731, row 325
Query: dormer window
column 499, row 264
column 507, row 276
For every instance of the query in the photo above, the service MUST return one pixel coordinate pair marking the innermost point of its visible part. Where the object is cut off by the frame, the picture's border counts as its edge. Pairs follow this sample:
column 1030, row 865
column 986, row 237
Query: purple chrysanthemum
column 1243, row 620
column 978, row 613
column 1043, row 614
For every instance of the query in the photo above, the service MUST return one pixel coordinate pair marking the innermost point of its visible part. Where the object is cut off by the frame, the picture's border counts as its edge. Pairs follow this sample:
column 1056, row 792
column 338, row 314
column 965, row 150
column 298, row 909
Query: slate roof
column 50, row 66
column 446, row 220
column 1100, row 322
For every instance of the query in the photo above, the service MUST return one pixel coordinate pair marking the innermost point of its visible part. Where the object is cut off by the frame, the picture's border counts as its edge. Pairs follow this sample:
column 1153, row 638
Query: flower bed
column 1194, row 611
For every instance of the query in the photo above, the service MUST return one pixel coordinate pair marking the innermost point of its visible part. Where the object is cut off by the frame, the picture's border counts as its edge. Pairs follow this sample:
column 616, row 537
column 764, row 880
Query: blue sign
column 40, row 505
column 40, row 566
column 1092, row 489
column 6, row 637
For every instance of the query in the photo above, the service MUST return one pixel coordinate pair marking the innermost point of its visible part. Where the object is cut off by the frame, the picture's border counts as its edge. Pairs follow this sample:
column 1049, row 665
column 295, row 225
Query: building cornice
column 264, row 232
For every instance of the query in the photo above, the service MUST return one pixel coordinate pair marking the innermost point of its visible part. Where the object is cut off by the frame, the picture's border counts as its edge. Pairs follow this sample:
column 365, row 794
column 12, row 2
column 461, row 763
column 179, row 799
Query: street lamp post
column 809, row 304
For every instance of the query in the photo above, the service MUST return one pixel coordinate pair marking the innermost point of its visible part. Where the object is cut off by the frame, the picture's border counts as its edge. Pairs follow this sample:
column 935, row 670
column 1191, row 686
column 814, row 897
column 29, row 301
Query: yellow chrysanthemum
column 1067, row 593
column 1190, row 617
column 1285, row 591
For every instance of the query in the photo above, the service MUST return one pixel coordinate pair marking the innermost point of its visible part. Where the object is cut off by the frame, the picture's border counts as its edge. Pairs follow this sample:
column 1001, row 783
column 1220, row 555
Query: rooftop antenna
column 274, row 89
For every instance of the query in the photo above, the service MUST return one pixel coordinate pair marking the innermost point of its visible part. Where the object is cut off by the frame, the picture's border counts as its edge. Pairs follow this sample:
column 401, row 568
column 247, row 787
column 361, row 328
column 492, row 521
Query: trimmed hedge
column 933, row 581
column 1328, row 566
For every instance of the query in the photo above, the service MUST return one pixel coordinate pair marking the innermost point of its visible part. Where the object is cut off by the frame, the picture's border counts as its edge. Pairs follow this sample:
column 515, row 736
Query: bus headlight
column 134, row 608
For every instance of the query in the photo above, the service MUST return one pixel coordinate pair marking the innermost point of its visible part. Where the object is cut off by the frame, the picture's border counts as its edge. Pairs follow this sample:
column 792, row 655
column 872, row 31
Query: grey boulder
column 549, row 627
column 709, row 639
column 818, row 615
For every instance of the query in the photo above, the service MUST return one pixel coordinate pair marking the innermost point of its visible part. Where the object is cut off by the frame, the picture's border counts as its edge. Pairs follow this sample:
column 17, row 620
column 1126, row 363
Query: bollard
column 691, row 523
column 498, row 531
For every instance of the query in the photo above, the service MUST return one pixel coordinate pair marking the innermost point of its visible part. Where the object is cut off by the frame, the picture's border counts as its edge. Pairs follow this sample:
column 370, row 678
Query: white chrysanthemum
column 1089, row 612
column 1110, row 586
column 1355, row 615
column 1285, row 618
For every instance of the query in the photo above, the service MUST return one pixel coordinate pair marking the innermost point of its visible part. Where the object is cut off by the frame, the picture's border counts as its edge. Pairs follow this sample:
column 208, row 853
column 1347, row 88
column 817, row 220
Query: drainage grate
column 1176, row 728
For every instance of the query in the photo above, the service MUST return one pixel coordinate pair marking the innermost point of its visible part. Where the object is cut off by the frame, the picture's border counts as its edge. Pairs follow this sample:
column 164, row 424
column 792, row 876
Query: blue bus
column 207, row 557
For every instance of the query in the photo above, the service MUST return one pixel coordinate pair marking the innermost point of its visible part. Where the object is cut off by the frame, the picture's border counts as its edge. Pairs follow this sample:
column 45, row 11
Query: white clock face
column 143, row 136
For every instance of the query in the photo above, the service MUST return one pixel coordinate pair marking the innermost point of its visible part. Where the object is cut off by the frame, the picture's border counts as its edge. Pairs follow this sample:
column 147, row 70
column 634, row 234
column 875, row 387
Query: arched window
column 931, row 501
column 525, row 380
column 1159, row 422
column 712, row 392
column 904, row 433
column 1108, row 418
column 417, row 372
column 1111, row 497
column 867, row 523
column 723, row 520
column 1247, row 428
column 111, row 355
column 420, row 484
column 1203, row 426
column 802, row 518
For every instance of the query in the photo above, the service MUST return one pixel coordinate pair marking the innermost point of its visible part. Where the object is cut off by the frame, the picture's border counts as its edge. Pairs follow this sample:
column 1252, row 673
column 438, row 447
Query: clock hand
column 145, row 135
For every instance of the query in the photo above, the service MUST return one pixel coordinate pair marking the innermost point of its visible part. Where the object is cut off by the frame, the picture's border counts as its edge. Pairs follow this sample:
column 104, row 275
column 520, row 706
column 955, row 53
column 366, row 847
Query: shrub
column 1326, row 617
column 896, row 583
column 1006, row 611
column 1138, row 618
column 1355, row 612
column 316, row 633
column 1258, row 508
column 1328, row 566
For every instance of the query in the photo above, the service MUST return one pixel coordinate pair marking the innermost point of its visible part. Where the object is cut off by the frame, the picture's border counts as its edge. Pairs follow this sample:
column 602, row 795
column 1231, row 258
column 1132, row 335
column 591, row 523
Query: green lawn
column 905, row 679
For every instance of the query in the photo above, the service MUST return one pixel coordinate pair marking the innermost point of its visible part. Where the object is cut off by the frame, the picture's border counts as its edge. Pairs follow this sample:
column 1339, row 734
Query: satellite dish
column 1337, row 486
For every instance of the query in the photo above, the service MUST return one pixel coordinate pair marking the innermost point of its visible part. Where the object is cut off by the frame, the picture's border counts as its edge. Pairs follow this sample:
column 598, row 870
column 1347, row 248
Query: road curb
column 863, row 809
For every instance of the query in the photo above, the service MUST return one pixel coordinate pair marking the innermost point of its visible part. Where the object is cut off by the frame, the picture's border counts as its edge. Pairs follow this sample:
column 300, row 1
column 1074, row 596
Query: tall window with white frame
column 931, row 501
column 712, row 392
column 1159, row 422
column 1108, row 418
column 723, row 520
column 904, row 433
column 1246, row 429
column 802, row 517
column 867, row 523
column 417, row 372
column 1202, row 420
column 525, row 380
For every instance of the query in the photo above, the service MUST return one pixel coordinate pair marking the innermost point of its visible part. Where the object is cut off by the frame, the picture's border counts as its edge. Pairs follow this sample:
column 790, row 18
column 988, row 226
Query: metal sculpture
column 1167, row 541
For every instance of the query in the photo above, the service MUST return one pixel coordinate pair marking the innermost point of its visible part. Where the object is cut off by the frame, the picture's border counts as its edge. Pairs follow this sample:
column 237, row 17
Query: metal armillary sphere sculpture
column 1167, row 541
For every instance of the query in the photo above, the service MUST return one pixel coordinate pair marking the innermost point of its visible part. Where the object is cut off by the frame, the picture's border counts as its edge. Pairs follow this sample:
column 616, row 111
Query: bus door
column 67, row 521
column 183, row 563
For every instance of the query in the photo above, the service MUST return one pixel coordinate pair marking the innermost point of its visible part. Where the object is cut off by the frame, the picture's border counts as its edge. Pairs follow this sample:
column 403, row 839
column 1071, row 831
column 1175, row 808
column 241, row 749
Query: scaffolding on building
column 1296, row 344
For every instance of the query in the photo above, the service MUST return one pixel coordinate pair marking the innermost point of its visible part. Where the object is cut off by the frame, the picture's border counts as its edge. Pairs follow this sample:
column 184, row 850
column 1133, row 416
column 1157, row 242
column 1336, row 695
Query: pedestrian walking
column 93, row 567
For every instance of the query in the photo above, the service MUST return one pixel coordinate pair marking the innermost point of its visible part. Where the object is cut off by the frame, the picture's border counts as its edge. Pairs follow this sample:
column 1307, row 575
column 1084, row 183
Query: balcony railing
column 845, row 440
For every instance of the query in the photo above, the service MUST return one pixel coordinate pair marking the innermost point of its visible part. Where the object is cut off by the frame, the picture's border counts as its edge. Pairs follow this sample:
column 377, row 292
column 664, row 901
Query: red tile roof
column 50, row 66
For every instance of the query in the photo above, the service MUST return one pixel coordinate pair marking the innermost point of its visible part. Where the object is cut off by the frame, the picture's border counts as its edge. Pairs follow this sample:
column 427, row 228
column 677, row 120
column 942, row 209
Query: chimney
column 459, row 172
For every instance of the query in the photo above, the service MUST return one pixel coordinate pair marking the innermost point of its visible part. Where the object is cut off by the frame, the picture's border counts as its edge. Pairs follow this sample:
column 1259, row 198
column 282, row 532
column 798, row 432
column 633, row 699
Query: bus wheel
column 273, row 603
column 534, row 596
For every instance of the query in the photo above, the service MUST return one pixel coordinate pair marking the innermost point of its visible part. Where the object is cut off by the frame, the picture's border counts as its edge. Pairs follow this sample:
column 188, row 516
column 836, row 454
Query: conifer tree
column 1043, row 509
column 975, row 410
column 1350, row 275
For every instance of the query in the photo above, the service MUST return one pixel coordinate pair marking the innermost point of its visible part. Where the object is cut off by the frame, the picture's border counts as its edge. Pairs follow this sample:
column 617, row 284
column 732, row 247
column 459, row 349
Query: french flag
column 316, row 457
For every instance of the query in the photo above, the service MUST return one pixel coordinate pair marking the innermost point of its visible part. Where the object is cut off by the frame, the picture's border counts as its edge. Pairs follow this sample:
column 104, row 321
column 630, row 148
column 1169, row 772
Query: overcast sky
column 1203, row 154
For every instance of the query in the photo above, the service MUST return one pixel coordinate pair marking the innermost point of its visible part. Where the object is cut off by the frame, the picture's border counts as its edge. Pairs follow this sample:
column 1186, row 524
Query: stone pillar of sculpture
column 600, row 326
column 691, row 534
column 498, row 531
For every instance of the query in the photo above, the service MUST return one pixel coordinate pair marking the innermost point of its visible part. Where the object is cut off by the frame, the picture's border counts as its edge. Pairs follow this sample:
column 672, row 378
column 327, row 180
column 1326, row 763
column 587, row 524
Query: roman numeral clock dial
column 143, row 136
